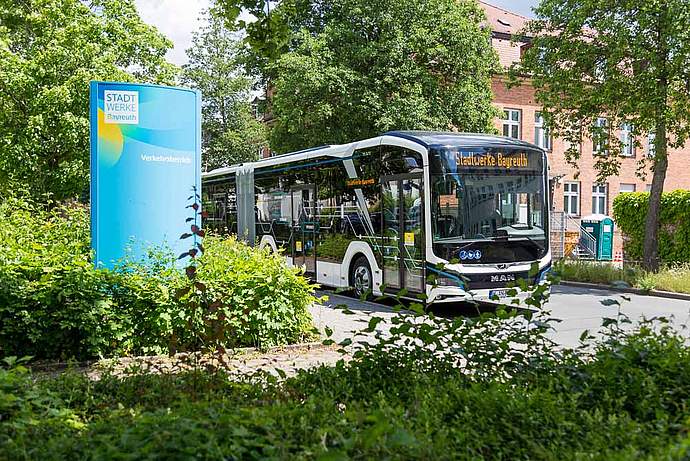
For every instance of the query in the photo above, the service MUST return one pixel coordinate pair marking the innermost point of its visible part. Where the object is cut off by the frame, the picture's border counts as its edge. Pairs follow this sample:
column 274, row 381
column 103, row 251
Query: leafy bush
column 624, row 398
column 55, row 304
column 264, row 303
column 630, row 211
column 334, row 246
column 52, row 301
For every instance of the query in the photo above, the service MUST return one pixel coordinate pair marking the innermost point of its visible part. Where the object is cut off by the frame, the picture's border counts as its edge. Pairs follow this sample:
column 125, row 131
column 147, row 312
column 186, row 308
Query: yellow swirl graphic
column 110, row 141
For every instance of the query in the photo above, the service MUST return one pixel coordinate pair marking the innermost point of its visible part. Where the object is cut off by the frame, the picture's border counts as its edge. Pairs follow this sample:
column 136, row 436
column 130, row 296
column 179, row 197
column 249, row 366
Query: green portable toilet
column 601, row 228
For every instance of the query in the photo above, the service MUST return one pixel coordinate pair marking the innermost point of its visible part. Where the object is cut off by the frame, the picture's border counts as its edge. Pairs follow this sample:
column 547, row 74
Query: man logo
column 503, row 278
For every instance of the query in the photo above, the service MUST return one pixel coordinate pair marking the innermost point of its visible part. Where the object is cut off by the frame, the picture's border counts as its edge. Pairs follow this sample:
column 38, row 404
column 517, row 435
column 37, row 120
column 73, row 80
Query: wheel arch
column 355, row 250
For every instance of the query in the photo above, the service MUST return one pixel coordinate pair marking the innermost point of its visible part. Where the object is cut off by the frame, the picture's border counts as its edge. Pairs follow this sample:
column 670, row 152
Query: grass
column 675, row 279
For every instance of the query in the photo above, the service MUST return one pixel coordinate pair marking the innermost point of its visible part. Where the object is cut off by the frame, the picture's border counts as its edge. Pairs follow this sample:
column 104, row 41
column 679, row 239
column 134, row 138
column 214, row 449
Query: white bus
column 444, row 217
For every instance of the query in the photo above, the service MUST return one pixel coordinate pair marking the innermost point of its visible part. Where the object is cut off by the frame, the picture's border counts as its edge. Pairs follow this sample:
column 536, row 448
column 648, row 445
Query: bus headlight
column 444, row 279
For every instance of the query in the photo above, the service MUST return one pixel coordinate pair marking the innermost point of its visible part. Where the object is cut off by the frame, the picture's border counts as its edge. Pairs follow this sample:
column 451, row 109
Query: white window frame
column 542, row 135
column 651, row 145
column 599, row 192
column 632, row 188
column 570, row 193
column 626, row 137
column 598, row 143
column 512, row 120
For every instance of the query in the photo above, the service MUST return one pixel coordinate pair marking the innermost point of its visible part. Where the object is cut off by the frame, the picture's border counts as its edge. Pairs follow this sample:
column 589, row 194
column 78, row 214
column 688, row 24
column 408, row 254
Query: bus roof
column 427, row 139
column 430, row 139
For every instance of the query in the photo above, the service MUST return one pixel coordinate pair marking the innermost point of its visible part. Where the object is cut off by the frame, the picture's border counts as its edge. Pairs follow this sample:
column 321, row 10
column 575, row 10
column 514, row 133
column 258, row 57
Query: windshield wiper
column 506, row 238
column 457, row 252
column 533, row 241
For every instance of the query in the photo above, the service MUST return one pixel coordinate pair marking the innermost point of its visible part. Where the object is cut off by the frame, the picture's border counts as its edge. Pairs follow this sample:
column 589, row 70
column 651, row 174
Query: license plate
column 498, row 294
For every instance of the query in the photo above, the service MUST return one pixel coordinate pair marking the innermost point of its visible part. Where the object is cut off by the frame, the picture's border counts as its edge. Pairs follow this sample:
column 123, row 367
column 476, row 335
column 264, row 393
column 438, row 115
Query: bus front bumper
column 449, row 295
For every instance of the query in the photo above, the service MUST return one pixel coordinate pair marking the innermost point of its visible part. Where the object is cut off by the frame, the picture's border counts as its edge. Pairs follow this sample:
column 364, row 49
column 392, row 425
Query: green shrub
column 630, row 212
column 144, row 292
column 55, row 304
column 264, row 303
column 333, row 246
column 52, row 301
column 626, row 399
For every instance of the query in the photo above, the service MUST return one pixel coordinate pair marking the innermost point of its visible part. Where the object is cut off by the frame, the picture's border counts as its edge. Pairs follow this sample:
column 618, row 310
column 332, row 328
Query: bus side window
column 400, row 160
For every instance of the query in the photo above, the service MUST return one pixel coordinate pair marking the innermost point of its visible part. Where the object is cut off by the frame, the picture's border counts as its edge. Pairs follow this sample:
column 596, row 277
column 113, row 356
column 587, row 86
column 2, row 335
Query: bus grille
column 502, row 280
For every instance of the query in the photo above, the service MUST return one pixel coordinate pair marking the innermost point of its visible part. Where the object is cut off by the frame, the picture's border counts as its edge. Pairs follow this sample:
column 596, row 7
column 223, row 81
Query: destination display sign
column 519, row 160
column 360, row 182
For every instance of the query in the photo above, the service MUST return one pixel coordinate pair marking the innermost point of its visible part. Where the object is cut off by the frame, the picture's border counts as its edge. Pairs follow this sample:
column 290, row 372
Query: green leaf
column 610, row 302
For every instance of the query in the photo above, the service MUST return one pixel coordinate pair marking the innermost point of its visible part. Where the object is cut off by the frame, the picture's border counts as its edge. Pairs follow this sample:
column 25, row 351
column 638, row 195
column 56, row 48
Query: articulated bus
column 446, row 217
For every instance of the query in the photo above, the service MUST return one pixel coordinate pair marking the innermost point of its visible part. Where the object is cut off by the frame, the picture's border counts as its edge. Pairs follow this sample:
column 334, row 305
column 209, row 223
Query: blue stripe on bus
column 460, row 282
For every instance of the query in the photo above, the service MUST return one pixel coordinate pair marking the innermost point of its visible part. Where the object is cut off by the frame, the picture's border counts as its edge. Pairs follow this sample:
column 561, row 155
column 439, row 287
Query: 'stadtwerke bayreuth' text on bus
column 494, row 160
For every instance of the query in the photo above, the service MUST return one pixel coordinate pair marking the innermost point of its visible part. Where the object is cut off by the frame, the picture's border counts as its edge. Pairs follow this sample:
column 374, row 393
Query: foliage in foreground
column 630, row 210
column 55, row 304
column 672, row 278
column 623, row 398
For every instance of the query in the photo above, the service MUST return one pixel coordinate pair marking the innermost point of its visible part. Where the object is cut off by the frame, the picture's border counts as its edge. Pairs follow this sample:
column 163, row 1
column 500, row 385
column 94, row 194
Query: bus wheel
column 361, row 277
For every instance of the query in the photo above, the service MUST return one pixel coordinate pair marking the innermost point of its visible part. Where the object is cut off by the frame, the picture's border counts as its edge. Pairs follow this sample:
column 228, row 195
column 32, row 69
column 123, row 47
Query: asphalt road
column 578, row 309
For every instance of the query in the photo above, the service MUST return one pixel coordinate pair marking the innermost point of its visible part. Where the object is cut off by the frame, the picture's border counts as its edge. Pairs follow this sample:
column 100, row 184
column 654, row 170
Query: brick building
column 575, row 195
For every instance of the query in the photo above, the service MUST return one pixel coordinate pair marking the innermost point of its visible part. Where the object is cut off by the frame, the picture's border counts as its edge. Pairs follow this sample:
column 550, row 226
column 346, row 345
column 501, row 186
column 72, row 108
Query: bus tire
column 361, row 278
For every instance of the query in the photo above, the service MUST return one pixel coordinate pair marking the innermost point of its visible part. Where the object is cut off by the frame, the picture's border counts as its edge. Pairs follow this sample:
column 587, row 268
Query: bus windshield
column 488, row 205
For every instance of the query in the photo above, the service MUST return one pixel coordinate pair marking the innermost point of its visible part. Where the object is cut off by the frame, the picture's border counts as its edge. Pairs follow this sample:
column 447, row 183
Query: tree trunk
column 651, row 246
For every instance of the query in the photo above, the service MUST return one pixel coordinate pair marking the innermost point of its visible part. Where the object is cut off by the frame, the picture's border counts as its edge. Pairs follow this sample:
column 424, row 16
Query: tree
column 230, row 134
column 625, row 60
column 49, row 51
column 352, row 69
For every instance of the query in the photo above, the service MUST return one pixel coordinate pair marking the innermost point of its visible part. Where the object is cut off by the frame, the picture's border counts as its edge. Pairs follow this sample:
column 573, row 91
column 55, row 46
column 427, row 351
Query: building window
column 571, row 198
column 648, row 188
column 651, row 145
column 542, row 136
column 599, row 196
column 511, row 123
column 600, row 136
column 627, row 188
column 628, row 148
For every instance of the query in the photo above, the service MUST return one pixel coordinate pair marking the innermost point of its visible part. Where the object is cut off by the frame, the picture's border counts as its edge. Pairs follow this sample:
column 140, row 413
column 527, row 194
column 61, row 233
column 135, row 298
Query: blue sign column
column 145, row 163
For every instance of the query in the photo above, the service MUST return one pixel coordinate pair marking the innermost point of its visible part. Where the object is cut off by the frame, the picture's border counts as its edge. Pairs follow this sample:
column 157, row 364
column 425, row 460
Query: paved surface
column 581, row 309
column 578, row 309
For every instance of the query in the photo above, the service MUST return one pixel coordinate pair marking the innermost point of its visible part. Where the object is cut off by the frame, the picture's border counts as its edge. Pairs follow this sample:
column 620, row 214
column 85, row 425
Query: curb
column 636, row 291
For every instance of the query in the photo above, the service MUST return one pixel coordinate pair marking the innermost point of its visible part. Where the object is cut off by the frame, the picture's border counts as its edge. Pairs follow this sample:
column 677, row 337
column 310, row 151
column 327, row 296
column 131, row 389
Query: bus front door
column 403, row 234
column 304, row 225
